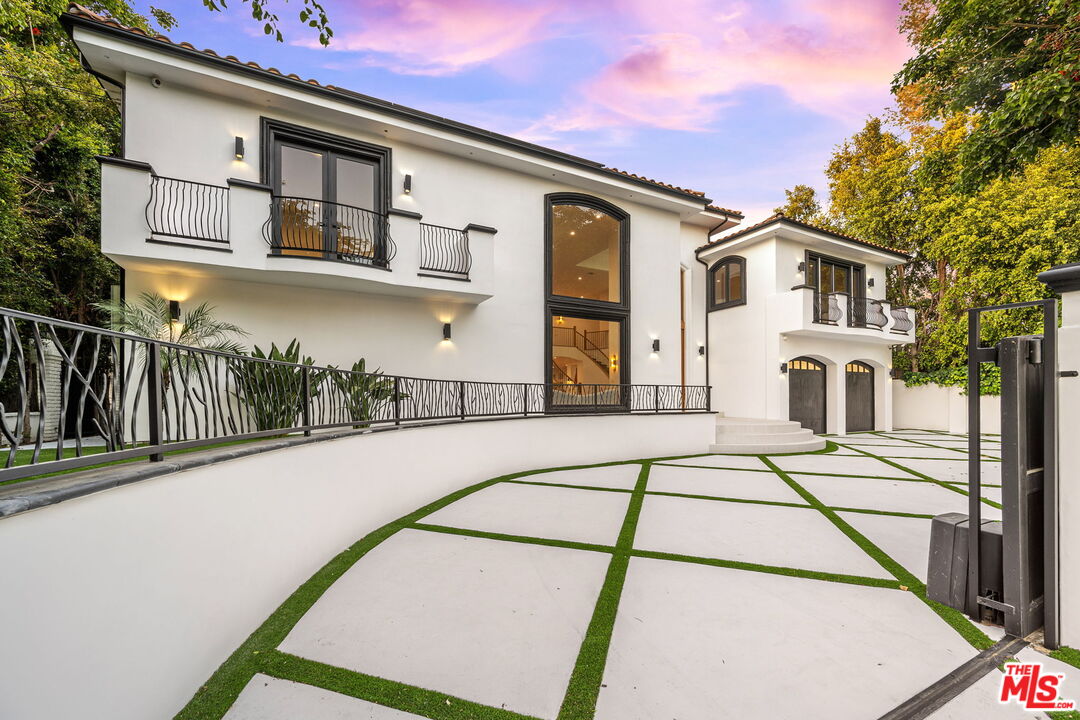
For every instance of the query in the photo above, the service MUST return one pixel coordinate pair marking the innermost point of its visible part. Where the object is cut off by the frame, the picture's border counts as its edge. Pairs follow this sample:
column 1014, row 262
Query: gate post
column 1065, row 497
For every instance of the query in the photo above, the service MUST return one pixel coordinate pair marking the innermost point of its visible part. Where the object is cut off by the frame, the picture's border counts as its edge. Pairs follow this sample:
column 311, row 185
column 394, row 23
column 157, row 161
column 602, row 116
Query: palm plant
column 274, row 391
column 149, row 317
column 364, row 393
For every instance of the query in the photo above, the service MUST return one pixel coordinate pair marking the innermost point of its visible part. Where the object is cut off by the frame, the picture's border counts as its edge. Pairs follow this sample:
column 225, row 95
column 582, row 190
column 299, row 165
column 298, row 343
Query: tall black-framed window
column 587, row 307
column 330, row 194
column 727, row 283
column 832, row 275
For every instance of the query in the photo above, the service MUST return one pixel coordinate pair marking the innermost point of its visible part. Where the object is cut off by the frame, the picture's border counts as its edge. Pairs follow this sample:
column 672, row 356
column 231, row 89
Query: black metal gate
column 859, row 383
column 1029, row 524
column 806, row 393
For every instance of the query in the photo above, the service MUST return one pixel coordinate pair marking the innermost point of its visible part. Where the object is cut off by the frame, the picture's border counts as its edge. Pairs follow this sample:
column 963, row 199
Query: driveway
column 714, row 586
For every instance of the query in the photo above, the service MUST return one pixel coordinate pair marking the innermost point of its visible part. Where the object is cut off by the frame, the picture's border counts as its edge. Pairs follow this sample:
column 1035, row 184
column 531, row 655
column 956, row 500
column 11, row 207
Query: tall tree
column 1015, row 63
column 801, row 204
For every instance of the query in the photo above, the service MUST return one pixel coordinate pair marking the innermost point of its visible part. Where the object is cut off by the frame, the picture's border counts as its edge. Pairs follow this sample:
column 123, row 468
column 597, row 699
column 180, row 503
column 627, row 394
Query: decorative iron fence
column 302, row 227
column 186, row 209
column 445, row 250
column 902, row 320
column 826, row 308
column 122, row 396
column 866, row 313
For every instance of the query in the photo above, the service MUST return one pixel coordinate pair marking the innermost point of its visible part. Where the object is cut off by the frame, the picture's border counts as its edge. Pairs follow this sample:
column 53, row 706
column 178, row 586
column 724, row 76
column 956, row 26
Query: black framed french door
column 586, row 358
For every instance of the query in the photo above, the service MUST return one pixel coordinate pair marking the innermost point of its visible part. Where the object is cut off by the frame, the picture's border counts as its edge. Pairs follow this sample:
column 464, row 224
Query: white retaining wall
column 936, row 407
column 120, row 604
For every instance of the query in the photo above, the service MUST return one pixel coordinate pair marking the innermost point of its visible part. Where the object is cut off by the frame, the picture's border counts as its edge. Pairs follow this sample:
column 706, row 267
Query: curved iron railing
column 444, row 250
column 902, row 320
column 826, row 308
column 186, row 209
column 866, row 313
column 303, row 227
column 115, row 396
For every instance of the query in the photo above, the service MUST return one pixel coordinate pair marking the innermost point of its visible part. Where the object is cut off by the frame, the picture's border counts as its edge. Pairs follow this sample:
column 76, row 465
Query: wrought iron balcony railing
column 186, row 209
column 826, row 308
column 445, row 250
column 902, row 320
column 303, row 227
column 120, row 396
column 866, row 313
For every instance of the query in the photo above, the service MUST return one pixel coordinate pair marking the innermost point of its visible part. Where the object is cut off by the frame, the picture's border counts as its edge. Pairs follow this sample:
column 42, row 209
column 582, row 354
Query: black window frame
column 567, row 306
column 854, row 289
column 277, row 133
column 713, row 269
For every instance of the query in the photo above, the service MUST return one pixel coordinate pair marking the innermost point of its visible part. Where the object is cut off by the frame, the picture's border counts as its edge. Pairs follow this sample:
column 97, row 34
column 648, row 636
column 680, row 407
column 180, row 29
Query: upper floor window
column 727, row 283
column 588, row 244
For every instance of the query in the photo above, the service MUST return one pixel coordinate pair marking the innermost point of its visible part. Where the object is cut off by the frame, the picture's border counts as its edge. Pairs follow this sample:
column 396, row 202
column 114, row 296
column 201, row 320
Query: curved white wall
column 120, row 604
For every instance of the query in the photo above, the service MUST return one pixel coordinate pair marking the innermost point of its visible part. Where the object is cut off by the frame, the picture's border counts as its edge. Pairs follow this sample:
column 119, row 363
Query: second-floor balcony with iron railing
column 303, row 227
column 444, row 251
column 806, row 311
column 188, row 210
column 864, row 312
column 903, row 319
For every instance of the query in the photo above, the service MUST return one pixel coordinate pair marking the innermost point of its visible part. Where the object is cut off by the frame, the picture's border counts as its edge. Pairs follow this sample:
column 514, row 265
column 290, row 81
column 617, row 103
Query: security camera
column 155, row 81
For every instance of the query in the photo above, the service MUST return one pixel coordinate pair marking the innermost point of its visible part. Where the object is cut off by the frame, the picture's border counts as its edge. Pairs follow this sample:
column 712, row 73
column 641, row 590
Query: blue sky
column 738, row 99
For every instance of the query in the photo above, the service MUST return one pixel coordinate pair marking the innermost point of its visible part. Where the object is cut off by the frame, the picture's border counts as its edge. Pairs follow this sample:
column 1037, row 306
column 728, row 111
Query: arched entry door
column 806, row 393
column 860, row 396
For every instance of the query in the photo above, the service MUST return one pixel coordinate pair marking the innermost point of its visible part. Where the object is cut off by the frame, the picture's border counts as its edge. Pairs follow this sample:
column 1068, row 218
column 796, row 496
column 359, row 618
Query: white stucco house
column 437, row 249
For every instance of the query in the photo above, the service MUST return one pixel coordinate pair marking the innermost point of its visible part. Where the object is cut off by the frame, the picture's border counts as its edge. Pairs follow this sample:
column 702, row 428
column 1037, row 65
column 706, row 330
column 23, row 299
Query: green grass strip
column 527, row 539
column 572, row 486
column 770, row 569
column 408, row 698
column 214, row 699
column 954, row 618
column 579, row 703
column 942, row 483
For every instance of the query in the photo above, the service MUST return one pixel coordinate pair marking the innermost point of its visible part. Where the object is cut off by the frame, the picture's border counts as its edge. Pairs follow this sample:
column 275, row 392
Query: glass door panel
column 302, row 189
column 585, row 364
column 356, row 226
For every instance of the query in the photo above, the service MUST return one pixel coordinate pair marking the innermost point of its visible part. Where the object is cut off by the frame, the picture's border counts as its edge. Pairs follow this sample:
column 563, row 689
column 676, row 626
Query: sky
column 738, row 99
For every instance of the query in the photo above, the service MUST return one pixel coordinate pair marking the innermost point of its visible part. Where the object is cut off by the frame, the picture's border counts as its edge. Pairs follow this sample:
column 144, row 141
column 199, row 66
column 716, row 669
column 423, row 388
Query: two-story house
column 434, row 248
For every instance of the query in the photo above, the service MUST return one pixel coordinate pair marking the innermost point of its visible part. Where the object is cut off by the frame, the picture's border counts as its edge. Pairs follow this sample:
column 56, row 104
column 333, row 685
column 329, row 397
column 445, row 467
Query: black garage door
column 806, row 393
column 860, row 397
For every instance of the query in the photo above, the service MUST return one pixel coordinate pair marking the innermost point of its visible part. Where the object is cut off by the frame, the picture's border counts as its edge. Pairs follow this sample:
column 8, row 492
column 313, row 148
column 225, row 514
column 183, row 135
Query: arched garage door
column 860, row 396
column 806, row 393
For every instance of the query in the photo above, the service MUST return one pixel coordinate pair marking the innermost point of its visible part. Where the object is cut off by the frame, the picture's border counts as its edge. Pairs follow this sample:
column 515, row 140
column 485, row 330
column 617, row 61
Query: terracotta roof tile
column 778, row 217
column 724, row 211
column 77, row 10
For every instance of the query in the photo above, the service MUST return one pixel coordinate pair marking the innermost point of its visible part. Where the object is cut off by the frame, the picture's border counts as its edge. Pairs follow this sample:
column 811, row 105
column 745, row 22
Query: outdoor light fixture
column 407, row 187
column 238, row 147
column 783, row 368
column 802, row 267
column 174, row 310
column 700, row 349
column 870, row 282
column 446, row 331
column 656, row 345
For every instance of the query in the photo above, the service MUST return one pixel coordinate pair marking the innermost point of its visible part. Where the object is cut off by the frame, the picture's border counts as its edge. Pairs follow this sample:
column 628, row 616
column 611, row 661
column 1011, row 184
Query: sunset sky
column 738, row 99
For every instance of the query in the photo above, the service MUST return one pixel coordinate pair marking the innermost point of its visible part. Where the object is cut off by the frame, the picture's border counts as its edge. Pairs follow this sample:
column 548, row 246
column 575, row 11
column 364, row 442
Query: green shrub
column 957, row 377
column 274, row 394
column 365, row 394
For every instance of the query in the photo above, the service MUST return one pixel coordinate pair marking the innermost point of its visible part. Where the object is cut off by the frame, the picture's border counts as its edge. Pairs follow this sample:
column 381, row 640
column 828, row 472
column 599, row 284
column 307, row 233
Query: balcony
column 242, row 231
column 804, row 311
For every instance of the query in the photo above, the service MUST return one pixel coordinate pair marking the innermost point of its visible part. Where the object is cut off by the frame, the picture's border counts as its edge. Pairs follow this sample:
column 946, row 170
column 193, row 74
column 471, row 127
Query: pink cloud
column 432, row 37
column 834, row 57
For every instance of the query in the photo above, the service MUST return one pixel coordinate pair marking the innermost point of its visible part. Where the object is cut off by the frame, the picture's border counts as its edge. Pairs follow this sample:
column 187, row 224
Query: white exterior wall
column 1069, row 470
column 936, row 407
column 498, row 334
column 127, row 600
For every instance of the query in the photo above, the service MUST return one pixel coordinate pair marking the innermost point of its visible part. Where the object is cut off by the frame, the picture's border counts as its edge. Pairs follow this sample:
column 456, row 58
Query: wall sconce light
column 407, row 186
column 802, row 267
column 614, row 364
column 783, row 368
column 238, row 147
column 446, row 331
column 174, row 310
column 656, row 345
column 701, row 350
column 870, row 282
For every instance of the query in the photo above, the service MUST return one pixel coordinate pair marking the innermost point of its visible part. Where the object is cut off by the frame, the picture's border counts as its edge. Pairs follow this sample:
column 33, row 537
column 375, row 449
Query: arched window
column 727, row 283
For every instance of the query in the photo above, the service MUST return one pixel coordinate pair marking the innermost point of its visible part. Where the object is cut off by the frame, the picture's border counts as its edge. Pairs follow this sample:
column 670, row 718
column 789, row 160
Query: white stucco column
column 1065, row 280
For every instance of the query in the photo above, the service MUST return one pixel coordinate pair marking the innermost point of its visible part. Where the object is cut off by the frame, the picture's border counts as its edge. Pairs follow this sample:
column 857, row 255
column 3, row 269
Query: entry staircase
column 755, row 436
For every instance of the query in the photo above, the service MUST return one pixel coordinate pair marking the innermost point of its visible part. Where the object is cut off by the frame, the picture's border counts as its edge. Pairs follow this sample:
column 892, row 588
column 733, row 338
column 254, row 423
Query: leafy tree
column 801, row 204
column 1015, row 63
column 150, row 318
column 313, row 15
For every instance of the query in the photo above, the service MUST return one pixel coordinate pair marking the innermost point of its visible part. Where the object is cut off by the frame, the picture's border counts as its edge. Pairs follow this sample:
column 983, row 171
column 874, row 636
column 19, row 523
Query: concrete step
column 814, row 443
column 772, row 427
column 786, row 436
